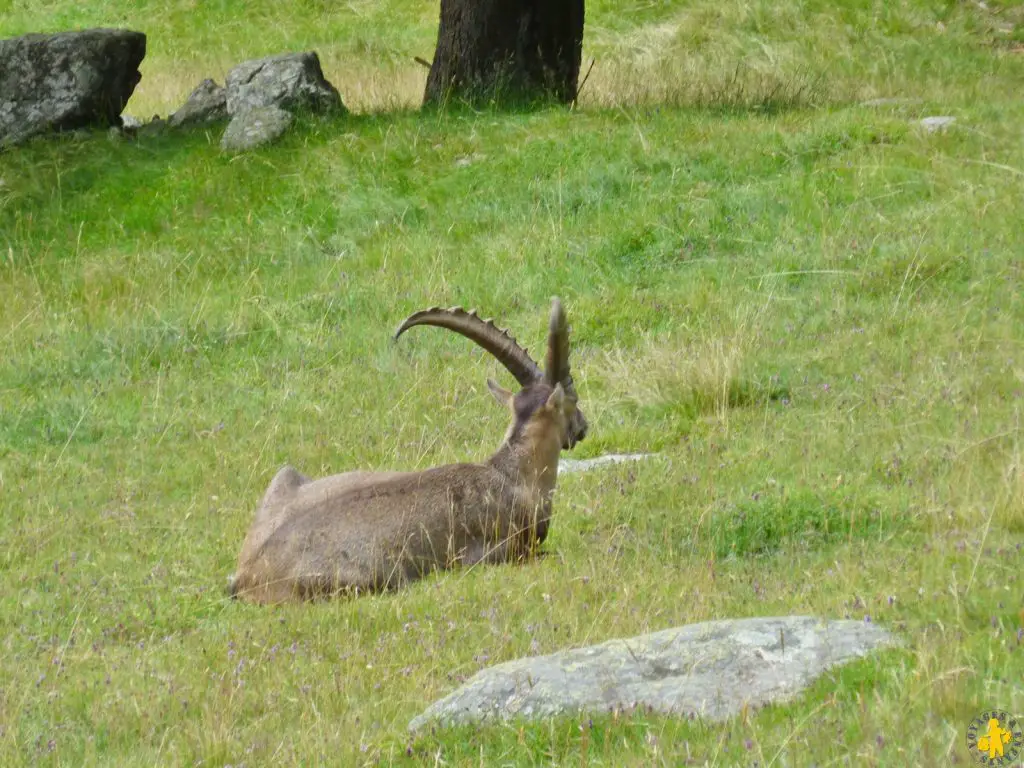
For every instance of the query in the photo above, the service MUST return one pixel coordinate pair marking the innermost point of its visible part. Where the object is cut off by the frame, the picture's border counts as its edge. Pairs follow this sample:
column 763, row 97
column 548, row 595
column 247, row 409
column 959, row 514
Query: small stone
column 937, row 123
column 568, row 466
column 254, row 128
column 207, row 103
column 467, row 160
column 889, row 101
column 154, row 127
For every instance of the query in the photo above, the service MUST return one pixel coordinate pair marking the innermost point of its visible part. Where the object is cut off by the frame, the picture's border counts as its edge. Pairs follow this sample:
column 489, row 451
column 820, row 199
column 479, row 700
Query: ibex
column 367, row 531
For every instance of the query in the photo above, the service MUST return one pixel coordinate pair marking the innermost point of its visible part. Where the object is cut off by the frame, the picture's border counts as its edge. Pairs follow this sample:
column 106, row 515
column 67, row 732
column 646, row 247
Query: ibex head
column 537, row 385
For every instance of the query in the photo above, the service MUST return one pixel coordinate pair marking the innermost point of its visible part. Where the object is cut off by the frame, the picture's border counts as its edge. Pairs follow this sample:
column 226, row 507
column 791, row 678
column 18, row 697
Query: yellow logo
column 995, row 738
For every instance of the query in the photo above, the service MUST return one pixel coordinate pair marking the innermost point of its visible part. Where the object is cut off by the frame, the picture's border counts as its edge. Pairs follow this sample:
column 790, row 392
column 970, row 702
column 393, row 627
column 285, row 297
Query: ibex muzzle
column 368, row 531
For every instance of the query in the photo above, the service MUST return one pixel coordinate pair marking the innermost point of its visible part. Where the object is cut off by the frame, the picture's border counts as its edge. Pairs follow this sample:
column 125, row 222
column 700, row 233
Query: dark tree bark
column 507, row 51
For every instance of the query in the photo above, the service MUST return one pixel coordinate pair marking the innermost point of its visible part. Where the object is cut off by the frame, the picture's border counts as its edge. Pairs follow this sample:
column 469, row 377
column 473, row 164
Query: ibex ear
column 556, row 398
column 502, row 395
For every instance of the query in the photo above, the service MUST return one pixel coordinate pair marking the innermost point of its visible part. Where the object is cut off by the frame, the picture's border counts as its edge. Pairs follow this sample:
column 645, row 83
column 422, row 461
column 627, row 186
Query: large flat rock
column 66, row 80
column 710, row 670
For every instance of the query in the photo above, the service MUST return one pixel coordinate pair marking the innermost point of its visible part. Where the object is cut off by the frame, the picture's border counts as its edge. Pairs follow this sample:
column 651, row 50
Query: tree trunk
column 507, row 51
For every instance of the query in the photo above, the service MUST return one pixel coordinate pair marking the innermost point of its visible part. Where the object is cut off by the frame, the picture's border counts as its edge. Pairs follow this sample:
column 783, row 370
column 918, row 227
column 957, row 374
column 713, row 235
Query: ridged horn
column 495, row 340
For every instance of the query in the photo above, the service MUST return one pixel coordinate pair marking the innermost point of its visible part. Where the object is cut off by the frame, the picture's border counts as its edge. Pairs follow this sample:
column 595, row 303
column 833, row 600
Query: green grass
column 809, row 306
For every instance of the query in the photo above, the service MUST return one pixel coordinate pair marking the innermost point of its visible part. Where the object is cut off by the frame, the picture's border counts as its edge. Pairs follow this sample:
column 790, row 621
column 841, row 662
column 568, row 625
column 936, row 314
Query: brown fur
column 368, row 531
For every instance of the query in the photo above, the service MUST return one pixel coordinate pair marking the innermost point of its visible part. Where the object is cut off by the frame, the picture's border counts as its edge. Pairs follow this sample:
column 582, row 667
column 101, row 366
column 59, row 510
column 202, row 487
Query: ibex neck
column 528, row 463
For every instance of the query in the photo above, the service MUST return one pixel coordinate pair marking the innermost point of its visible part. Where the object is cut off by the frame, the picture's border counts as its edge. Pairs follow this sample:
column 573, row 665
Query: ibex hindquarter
column 367, row 531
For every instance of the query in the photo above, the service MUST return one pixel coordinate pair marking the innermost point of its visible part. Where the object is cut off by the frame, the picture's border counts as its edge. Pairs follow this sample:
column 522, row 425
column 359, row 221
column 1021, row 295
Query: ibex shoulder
column 285, row 483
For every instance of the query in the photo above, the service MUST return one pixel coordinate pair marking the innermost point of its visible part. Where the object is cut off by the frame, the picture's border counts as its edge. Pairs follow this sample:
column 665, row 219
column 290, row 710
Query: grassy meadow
column 807, row 304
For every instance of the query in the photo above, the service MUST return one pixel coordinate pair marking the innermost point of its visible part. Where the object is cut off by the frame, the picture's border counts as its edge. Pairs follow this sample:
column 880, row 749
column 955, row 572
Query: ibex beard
column 369, row 531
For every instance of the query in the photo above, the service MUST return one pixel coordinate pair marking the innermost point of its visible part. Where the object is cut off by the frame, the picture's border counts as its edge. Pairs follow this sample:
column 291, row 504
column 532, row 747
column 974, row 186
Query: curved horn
column 483, row 332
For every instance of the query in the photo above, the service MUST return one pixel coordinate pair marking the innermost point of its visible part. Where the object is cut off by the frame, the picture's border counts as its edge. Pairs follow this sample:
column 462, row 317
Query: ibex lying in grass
column 365, row 531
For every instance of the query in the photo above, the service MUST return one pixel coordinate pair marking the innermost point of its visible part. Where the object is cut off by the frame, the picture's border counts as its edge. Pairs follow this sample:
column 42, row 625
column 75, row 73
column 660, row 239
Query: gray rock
column 711, row 670
column 130, row 123
column 289, row 81
column 254, row 128
column 568, row 466
column 208, row 103
column 936, row 123
column 66, row 81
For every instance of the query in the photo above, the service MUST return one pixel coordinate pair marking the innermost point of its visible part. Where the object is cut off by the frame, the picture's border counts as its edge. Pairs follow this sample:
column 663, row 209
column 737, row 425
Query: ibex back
column 367, row 531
